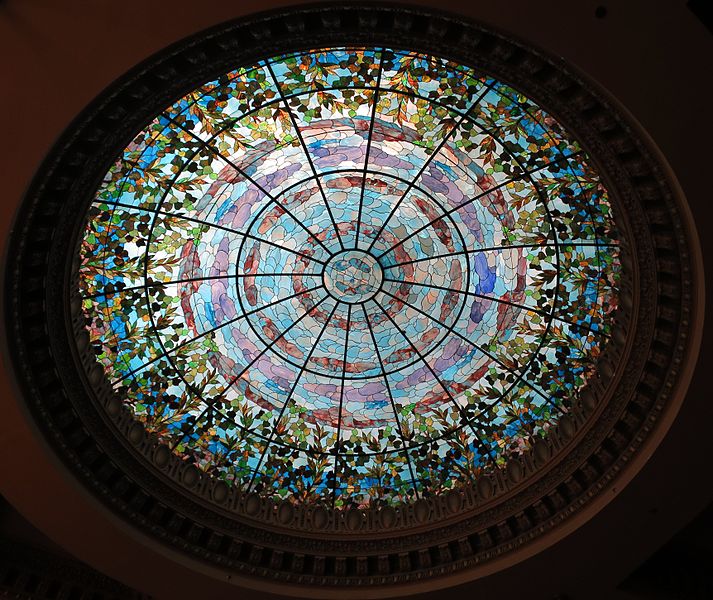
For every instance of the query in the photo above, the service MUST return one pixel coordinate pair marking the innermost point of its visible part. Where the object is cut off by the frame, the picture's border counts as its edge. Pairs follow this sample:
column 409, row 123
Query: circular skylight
column 350, row 276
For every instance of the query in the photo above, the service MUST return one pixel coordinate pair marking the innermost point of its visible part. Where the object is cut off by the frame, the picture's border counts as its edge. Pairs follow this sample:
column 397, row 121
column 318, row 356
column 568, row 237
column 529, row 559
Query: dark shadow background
column 653, row 541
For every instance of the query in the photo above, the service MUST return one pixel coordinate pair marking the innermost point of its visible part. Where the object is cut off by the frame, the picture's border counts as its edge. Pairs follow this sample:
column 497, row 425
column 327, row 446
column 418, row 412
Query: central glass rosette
column 350, row 275
column 353, row 276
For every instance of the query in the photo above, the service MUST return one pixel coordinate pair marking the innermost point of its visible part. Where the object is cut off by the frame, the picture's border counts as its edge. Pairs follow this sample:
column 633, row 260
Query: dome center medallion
column 352, row 276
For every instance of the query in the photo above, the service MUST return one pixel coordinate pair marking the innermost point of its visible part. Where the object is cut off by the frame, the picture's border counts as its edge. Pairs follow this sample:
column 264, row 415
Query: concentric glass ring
column 350, row 275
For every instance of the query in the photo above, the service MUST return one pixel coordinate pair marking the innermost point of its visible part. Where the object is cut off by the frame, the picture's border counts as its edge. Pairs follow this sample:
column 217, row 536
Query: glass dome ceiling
column 350, row 276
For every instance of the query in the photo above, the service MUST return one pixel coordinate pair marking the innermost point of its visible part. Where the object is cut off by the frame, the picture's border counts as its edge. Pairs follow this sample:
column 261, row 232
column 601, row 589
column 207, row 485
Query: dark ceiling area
column 32, row 566
column 651, row 538
column 704, row 11
column 681, row 568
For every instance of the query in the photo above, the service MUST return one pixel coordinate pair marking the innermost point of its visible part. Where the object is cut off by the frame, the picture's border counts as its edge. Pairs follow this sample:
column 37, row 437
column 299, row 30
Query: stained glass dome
column 350, row 276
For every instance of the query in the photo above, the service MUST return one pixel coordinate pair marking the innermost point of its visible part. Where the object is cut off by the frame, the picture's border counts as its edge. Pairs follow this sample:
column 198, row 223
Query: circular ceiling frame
column 316, row 550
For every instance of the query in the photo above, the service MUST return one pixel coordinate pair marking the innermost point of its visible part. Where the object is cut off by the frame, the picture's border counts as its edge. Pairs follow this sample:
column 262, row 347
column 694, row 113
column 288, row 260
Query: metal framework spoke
column 469, row 293
column 375, row 100
column 160, row 284
column 437, row 378
column 491, row 249
column 338, row 441
column 298, row 132
column 539, row 311
column 290, row 395
column 391, row 399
